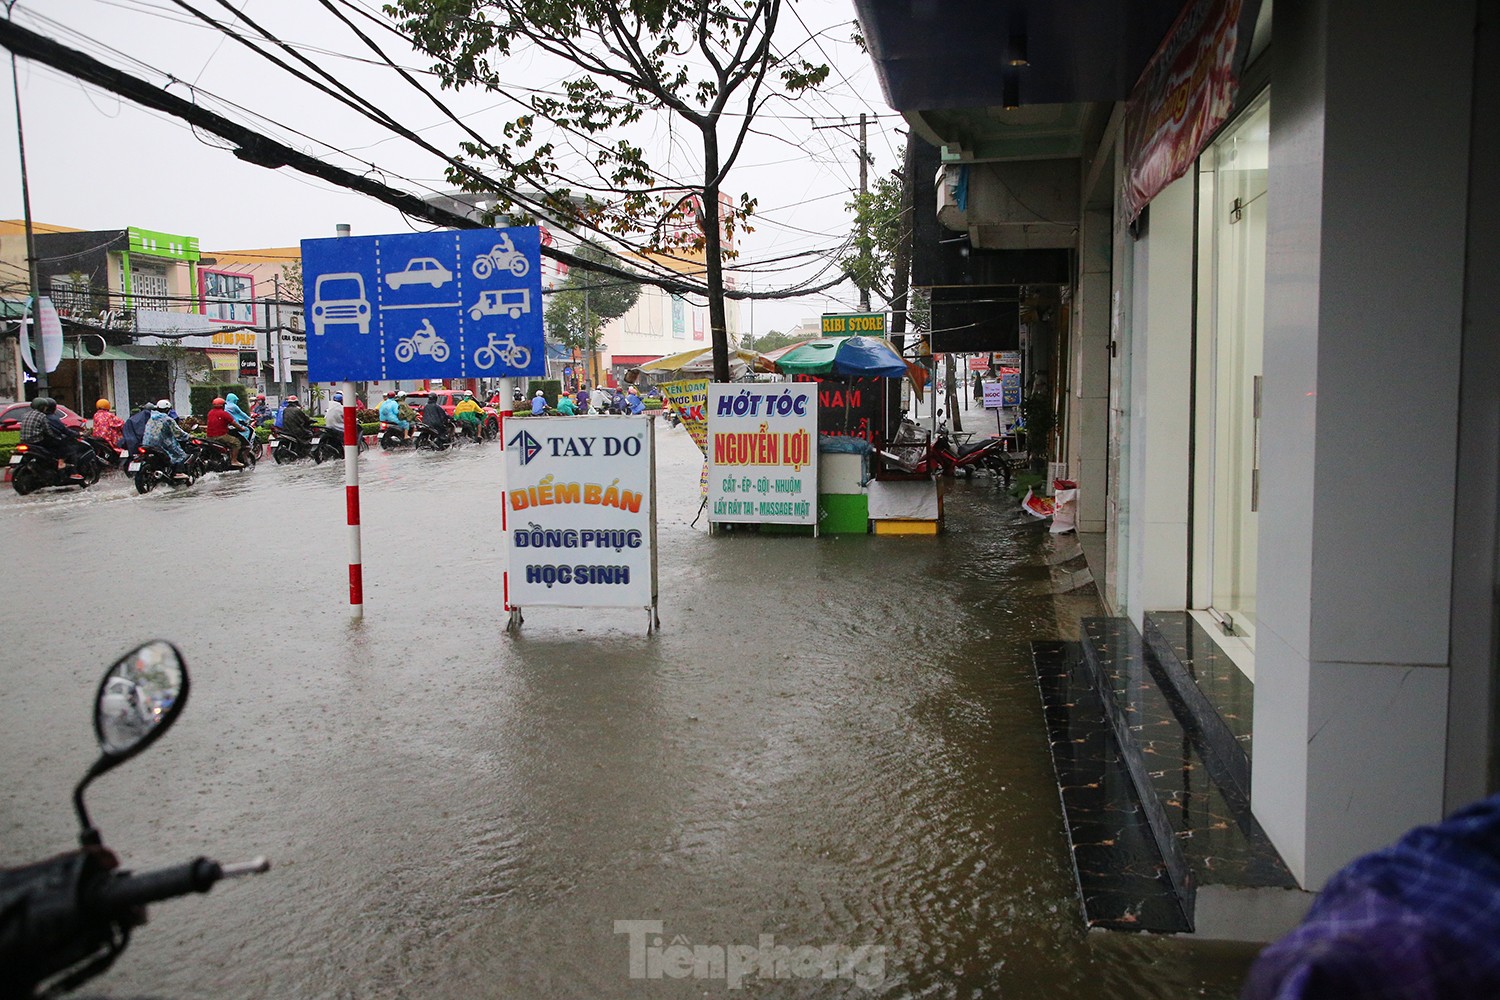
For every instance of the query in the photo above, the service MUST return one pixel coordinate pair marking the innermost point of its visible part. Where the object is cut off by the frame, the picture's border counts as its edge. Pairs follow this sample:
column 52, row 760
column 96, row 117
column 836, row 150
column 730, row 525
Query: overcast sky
column 96, row 161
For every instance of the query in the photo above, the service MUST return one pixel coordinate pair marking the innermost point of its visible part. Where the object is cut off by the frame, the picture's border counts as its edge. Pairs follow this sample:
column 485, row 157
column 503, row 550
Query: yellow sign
column 235, row 338
column 846, row 324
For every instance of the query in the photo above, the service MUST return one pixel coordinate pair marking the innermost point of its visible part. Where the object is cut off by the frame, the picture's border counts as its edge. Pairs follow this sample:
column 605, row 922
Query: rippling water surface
column 835, row 742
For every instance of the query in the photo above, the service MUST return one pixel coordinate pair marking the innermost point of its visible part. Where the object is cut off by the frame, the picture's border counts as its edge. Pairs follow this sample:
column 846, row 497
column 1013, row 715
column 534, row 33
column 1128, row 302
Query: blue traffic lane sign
column 454, row 304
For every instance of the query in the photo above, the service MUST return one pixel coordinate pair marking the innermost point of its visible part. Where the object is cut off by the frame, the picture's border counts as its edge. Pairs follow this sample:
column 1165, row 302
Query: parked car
column 10, row 417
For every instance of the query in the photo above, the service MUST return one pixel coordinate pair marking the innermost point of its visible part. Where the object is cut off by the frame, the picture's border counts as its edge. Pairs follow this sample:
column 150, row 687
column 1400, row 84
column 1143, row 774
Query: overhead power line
column 255, row 147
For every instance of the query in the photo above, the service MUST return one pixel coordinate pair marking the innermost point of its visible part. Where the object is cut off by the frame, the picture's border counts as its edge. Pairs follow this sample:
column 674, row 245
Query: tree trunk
column 712, row 249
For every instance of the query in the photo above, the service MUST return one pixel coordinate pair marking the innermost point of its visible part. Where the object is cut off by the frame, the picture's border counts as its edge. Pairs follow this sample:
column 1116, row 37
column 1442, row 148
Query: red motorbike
column 915, row 456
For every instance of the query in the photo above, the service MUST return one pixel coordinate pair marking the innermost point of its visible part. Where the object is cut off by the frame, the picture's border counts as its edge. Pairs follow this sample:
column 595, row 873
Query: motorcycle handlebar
column 125, row 891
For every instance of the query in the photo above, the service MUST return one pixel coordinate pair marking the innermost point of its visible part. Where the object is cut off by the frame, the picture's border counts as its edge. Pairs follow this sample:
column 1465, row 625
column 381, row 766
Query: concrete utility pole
column 37, row 353
column 864, row 181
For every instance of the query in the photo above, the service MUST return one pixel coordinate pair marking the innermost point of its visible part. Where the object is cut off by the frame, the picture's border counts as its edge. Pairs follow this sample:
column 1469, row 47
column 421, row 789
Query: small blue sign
column 457, row 304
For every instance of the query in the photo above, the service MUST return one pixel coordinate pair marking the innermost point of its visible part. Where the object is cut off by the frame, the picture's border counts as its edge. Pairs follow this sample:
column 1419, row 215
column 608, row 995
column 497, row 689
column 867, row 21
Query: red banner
column 1185, row 93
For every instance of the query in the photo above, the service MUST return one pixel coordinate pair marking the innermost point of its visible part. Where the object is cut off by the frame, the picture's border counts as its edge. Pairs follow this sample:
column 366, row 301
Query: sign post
column 441, row 305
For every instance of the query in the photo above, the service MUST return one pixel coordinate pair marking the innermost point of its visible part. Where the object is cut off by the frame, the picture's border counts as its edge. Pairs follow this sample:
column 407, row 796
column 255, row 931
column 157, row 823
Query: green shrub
column 550, row 387
column 201, row 397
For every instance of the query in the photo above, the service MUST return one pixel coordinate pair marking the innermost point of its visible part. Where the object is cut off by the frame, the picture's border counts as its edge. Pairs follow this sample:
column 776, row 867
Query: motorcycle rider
column 135, row 428
column 469, row 413
column 220, row 425
column 106, row 424
column 390, row 413
column 295, row 422
column 163, row 432
column 259, row 412
column 538, row 403
column 40, row 435
column 435, row 417
column 333, row 422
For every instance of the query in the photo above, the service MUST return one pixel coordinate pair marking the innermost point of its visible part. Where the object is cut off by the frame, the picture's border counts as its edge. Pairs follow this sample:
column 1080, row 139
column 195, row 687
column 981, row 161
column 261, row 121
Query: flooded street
column 837, row 743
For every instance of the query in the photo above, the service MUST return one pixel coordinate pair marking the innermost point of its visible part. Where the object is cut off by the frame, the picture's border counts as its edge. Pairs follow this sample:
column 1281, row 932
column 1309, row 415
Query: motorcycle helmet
column 260, row 397
column 40, row 403
column 468, row 394
column 163, row 405
column 390, row 395
column 103, row 404
column 338, row 397
column 540, row 394
column 218, row 401
column 401, row 394
column 292, row 401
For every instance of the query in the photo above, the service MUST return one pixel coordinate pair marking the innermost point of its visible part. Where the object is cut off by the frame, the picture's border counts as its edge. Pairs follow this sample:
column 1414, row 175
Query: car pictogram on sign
column 420, row 271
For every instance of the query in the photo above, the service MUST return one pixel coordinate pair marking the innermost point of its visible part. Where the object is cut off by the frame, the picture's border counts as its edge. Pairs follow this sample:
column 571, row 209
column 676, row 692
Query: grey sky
column 97, row 162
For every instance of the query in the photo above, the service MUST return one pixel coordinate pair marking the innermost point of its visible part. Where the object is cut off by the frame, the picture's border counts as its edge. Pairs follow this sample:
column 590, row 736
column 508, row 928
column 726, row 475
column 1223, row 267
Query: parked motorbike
column 153, row 467
column 65, row 920
column 988, row 454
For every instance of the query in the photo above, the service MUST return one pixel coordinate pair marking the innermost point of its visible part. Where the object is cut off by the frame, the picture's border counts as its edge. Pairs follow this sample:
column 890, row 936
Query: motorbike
column 214, row 457
column 153, row 467
column 109, row 455
column 330, row 445
column 988, row 454
column 426, row 437
column 392, row 436
column 30, row 471
column 65, row 920
column 290, row 449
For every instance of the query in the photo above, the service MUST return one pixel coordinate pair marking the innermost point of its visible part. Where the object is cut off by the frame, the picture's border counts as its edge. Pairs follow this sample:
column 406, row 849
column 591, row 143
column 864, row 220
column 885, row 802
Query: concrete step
column 1122, row 880
column 1190, row 793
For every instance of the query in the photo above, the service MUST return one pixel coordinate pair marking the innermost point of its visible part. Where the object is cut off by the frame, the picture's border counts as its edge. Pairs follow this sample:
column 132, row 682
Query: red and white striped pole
column 351, row 496
column 351, row 487
column 505, row 411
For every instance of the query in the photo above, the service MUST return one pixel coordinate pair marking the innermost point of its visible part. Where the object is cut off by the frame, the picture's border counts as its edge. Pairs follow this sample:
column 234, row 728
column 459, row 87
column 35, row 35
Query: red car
column 10, row 417
column 450, row 398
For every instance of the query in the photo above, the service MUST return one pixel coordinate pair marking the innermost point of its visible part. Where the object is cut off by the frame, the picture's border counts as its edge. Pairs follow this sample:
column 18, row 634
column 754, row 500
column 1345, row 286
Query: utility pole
column 864, row 164
column 37, row 352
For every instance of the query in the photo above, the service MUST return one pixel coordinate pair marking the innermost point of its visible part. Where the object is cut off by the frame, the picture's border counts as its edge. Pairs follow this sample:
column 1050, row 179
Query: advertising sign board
column 763, row 453
column 994, row 395
column 1010, row 384
column 580, row 512
column 855, row 407
column 453, row 304
column 844, row 324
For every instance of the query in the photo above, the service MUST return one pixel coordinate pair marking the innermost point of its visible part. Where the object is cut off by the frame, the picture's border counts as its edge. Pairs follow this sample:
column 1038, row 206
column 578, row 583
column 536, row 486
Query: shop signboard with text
column 763, row 453
column 580, row 512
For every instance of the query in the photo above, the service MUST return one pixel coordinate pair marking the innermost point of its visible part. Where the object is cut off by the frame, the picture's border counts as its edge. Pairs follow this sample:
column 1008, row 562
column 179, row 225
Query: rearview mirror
column 139, row 698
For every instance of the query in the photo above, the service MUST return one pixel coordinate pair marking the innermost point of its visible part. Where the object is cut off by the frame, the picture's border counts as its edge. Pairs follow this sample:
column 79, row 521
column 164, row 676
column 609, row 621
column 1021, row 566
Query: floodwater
column 833, row 746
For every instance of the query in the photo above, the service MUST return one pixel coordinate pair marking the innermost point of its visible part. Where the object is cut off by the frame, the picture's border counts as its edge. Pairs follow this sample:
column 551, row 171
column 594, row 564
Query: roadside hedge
column 201, row 397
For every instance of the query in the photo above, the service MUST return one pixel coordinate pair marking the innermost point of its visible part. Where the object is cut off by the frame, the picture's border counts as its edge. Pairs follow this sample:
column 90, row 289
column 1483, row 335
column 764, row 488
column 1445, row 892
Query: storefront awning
column 632, row 360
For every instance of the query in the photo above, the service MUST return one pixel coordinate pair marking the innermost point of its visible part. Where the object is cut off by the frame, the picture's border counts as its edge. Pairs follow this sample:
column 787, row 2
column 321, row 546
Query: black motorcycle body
column 30, row 471
column 65, row 920
column 109, row 455
column 428, row 438
column 214, row 457
column 393, row 437
column 152, row 467
column 287, row 448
